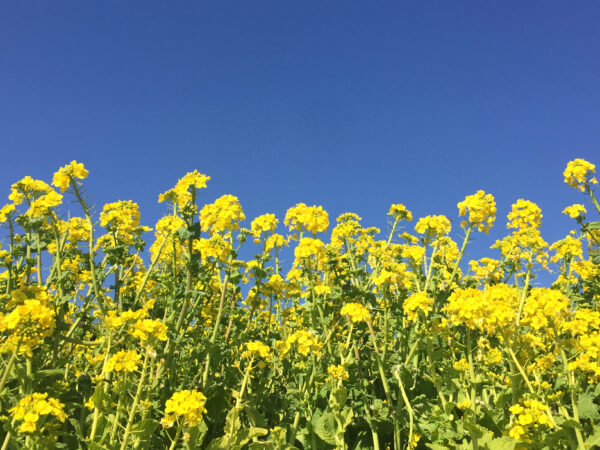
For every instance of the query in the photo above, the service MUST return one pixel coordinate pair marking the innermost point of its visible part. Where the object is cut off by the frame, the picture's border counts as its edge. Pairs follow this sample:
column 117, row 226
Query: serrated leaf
column 144, row 428
column 587, row 408
column 247, row 434
column 502, row 443
column 326, row 428
column 594, row 440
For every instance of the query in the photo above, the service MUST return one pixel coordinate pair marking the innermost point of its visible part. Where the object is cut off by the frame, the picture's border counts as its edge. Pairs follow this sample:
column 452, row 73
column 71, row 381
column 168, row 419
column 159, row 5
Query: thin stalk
column 136, row 401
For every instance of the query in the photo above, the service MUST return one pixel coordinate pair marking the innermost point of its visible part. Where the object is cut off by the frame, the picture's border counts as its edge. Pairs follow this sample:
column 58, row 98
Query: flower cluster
column 307, row 218
column 186, row 404
column 575, row 210
column 123, row 361
column 303, row 341
column 183, row 193
column 337, row 373
column 433, row 226
column 62, row 178
column 223, row 215
column 356, row 312
column 580, row 174
column 493, row 310
column 256, row 349
column 308, row 247
column 149, row 329
column 28, row 323
column 530, row 416
column 482, row 211
column 31, row 408
column 417, row 303
column 399, row 212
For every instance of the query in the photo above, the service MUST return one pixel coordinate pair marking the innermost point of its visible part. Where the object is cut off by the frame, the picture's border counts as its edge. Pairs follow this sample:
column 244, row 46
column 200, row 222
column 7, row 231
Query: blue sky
column 350, row 105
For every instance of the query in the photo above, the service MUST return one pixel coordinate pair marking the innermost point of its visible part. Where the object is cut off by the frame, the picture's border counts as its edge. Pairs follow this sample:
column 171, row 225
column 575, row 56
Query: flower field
column 116, row 335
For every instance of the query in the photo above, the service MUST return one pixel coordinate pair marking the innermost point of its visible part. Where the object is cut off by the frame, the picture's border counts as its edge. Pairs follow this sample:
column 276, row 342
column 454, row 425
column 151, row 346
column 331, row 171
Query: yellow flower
column 303, row 341
column 256, row 348
column 186, row 404
column 482, row 210
column 264, row 223
column 309, row 218
column 222, row 215
column 337, row 373
column 524, row 214
column 62, row 178
column 461, row 365
column 399, row 212
column 308, row 247
column 146, row 329
column 579, row 174
column 123, row 361
column 30, row 408
column 575, row 210
column 433, row 226
column 417, row 302
column 181, row 194
column 6, row 211
column 356, row 312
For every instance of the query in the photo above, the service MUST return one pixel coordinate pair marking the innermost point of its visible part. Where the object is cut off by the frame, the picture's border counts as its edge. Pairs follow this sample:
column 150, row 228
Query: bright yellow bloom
column 214, row 248
column 433, row 226
column 461, row 365
column 356, row 312
column 123, row 361
column 148, row 329
column 186, row 404
column 337, row 373
column 482, row 211
column 31, row 408
column 308, row 247
column 6, row 211
column 303, row 341
column 575, row 210
column 222, row 215
column 309, row 218
column 579, row 174
column 399, row 212
column 256, row 348
column 524, row 214
column 417, row 302
column 181, row 194
column 530, row 416
column 62, row 178
column 264, row 223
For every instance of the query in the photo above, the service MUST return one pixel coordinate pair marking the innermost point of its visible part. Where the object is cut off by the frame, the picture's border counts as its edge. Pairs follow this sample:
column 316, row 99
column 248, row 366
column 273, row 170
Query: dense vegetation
column 364, row 342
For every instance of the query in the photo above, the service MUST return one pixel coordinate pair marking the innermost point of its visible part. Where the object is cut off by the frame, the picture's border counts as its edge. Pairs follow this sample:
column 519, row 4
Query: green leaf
column 232, row 422
column 326, row 427
column 337, row 399
column 255, row 417
column 503, row 443
column 590, row 226
column 197, row 434
column 594, row 439
column 247, row 434
column 221, row 443
column 94, row 446
column 587, row 408
column 144, row 428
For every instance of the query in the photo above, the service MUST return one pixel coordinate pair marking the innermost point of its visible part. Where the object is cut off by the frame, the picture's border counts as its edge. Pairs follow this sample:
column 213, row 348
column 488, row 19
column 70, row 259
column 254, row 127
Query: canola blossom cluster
column 208, row 330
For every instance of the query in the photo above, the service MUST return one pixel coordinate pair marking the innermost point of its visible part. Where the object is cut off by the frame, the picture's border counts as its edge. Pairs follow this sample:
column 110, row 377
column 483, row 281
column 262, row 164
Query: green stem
column 460, row 255
column 10, row 363
column 136, row 401
column 474, row 439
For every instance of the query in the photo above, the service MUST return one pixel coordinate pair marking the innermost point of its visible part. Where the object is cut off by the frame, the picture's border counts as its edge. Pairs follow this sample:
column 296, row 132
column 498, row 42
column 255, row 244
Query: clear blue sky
column 351, row 105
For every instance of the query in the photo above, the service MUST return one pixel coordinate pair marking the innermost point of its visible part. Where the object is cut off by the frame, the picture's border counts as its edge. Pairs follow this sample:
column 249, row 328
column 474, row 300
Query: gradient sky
column 350, row 105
